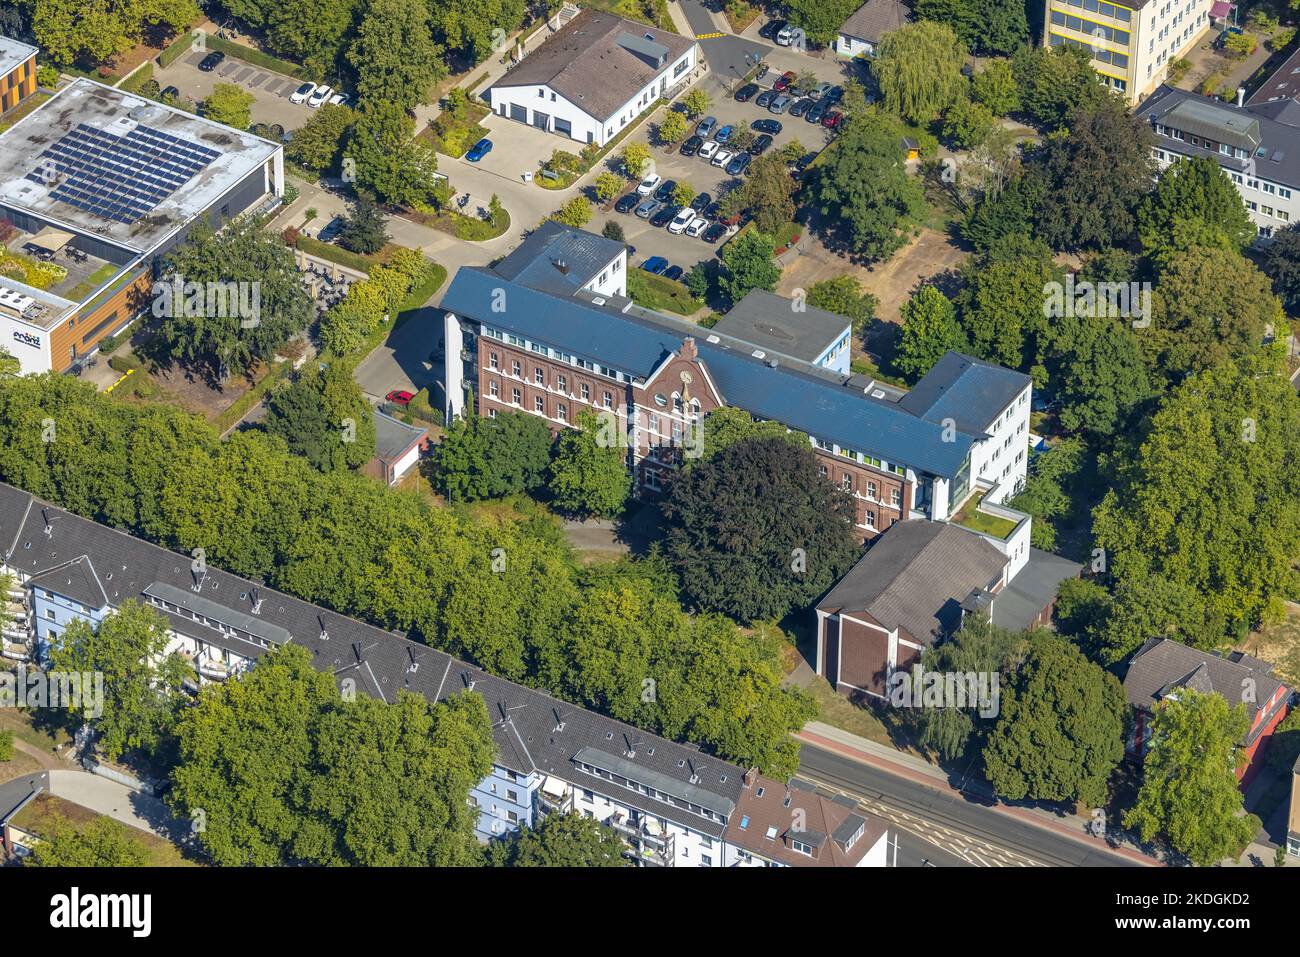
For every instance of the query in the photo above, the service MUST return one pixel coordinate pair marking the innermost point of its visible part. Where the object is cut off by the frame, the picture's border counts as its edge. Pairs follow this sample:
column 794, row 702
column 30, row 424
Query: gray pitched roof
column 598, row 61
column 802, row 396
column 916, row 576
column 966, row 390
column 1034, row 588
column 1162, row 666
column 1283, row 84
column 533, row 731
column 775, row 325
column 393, row 436
column 75, row 579
column 559, row 258
column 875, row 18
column 1248, row 127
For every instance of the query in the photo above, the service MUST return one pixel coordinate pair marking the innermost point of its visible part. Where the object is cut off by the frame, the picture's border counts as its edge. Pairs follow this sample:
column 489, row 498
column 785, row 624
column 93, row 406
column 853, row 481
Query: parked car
column 648, row 184
column 760, row 145
column 170, row 93
column 765, row 98
column 331, row 229
column 673, row 272
column 746, row 92
column 664, row 191
column 834, row 95
column 662, row 216
column 627, row 203
column 697, row 226
column 691, row 145
column 701, row 201
column 655, row 264
column 724, row 134
column 820, row 90
column 300, row 95
column 681, row 220
column 714, row 233
column 785, row 36
column 211, row 61
column 815, row 113
column 647, row 207
column 708, row 149
column 800, row 107
column 832, row 120
column 784, row 81
column 340, row 99
column 713, row 211
column 739, row 163
column 479, row 150
column 766, row 126
column 803, row 162
column 722, row 157
column 779, row 104
column 401, row 397
column 706, row 127
column 769, row 30
column 322, row 94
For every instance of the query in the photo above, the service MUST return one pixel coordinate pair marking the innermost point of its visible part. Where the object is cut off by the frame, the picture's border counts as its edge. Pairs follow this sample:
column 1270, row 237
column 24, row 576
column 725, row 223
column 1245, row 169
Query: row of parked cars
column 317, row 94
column 815, row 106
column 700, row 218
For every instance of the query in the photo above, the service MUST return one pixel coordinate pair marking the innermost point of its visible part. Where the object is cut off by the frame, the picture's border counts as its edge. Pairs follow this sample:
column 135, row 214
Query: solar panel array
column 121, row 178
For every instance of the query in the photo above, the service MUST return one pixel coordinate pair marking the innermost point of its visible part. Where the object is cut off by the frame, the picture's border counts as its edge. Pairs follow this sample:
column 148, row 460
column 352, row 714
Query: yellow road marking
column 119, row 381
column 708, row 36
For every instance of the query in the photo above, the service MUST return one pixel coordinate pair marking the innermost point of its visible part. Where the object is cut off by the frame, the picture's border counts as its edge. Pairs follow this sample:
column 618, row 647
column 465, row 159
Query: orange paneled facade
column 18, row 84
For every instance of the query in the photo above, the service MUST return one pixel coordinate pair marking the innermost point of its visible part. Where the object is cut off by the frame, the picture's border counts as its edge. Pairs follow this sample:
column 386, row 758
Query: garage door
column 563, row 126
column 519, row 113
column 541, row 120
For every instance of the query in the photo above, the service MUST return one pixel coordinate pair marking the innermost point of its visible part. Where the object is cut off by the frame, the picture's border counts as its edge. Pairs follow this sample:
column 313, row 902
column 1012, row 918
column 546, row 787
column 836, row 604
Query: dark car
column 211, row 61
column 663, row 215
column 815, row 113
column 713, row 211
column 760, row 145
column 833, row 96
column 170, row 93
column 769, row 30
column 664, row 191
column 803, row 162
column 785, row 80
column 627, row 203
column 739, row 163
column 801, row 107
column 692, row 145
column 701, row 201
column 714, row 233
column 656, row 265
column 331, row 229
column 746, row 92
column 765, row 98
column 673, row 272
column 766, row 126
column 833, row 120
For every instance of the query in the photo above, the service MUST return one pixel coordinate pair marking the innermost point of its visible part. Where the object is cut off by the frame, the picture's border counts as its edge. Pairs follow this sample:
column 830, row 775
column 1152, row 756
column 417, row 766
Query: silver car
column 779, row 104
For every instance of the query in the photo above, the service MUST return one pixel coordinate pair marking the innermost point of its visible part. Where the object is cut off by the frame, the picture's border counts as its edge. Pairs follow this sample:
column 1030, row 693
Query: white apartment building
column 1131, row 45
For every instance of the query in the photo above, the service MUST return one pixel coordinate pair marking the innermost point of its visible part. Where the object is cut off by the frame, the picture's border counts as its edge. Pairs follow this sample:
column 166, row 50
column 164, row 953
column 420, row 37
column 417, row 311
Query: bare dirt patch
column 1279, row 645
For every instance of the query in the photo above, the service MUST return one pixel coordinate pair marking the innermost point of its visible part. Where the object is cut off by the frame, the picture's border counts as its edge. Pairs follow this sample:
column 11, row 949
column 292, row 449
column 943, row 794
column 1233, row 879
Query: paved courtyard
column 270, row 90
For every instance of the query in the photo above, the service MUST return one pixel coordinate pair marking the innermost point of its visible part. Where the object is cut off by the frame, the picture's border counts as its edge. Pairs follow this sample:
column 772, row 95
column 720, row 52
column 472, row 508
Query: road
column 958, row 828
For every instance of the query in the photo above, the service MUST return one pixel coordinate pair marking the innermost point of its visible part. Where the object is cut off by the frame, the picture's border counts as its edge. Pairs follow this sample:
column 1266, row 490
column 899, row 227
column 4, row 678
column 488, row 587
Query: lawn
column 19, row 721
column 663, row 295
column 92, row 282
column 1279, row 644
column 42, row 814
column 453, row 135
column 977, row 521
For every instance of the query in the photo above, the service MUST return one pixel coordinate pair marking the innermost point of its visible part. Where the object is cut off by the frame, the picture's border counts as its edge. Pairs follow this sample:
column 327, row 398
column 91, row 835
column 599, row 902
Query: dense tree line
column 502, row 595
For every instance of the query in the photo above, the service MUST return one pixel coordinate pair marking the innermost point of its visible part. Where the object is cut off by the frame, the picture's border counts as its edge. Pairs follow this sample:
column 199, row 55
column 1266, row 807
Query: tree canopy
column 324, row 416
column 918, row 70
column 481, row 457
column 560, row 840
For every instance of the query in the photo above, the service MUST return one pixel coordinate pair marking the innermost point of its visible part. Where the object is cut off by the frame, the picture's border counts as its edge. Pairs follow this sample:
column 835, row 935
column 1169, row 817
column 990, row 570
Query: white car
column 301, row 94
column 322, row 94
column 785, row 37
column 697, row 227
column 722, row 157
column 681, row 220
column 648, row 184
column 708, row 149
column 339, row 99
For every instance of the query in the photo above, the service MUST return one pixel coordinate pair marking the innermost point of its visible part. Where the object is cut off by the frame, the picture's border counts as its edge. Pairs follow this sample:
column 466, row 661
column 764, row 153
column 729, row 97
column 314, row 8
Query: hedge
column 172, row 53
column 255, row 57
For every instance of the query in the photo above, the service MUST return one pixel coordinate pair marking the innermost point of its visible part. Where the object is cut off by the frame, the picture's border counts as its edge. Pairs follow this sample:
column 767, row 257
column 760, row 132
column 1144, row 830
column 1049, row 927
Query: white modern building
column 596, row 75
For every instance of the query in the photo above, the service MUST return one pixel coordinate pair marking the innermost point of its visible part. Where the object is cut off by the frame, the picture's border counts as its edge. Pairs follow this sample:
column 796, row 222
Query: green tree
column 142, row 683
column 1280, row 261
column 1007, row 212
column 608, row 185
column 100, row 842
column 317, row 145
column 748, row 264
column 635, row 156
column 1054, row 81
column 1046, row 495
column 589, row 474
column 820, row 21
column 613, row 229
column 229, row 104
column 95, row 32
column 672, row 127
column 469, row 27
column 9, row 364
column 1001, row 310
column 481, row 457
column 365, row 228
column 695, row 102
column 714, row 509
column 576, row 212
column 394, row 53
column 995, row 88
column 844, row 296
column 966, row 123
column 766, row 194
column 323, row 416
column 683, row 193
column 930, row 330
column 1189, row 793
column 1060, row 731
column 1103, row 376
column 1193, row 199
column 560, row 840
column 310, row 32
column 728, row 424
column 391, row 166
column 996, row 27
column 918, row 70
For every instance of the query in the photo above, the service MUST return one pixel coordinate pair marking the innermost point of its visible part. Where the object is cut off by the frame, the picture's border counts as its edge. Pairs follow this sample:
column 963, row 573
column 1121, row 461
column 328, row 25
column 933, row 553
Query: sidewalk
column 134, row 808
column 920, row 771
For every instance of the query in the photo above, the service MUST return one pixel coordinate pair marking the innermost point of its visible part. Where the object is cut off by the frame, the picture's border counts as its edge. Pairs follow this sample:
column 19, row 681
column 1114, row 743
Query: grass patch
column 838, row 711
column 739, row 14
column 18, row 112
column 663, row 295
column 44, row 812
column 452, row 135
column 977, row 521
column 241, row 406
column 1279, row 644
column 653, row 12
column 20, row 723
column 92, row 282
column 361, row 262
column 865, row 365
column 175, row 50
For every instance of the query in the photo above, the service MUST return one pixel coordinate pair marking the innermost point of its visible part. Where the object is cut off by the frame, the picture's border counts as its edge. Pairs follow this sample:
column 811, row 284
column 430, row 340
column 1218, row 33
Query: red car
column 400, row 396
column 786, row 79
column 832, row 120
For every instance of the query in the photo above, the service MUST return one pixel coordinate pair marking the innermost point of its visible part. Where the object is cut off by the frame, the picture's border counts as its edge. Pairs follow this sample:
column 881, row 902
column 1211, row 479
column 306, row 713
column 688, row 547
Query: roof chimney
column 1241, row 96
column 257, row 600
column 688, row 349
column 562, row 266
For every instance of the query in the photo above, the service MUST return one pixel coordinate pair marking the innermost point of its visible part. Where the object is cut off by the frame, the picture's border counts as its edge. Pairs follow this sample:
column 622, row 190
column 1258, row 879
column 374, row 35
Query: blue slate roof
column 966, row 390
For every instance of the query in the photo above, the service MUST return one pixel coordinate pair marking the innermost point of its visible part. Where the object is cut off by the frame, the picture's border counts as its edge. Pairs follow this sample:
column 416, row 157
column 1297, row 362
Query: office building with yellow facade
column 1131, row 45
column 17, row 73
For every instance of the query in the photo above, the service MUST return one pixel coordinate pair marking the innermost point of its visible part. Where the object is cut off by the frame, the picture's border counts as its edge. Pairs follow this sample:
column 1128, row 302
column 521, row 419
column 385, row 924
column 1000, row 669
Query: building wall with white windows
column 1271, row 205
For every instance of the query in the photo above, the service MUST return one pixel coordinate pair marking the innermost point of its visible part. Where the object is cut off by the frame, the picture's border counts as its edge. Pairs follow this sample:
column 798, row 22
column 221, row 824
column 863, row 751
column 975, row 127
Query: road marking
column 709, row 36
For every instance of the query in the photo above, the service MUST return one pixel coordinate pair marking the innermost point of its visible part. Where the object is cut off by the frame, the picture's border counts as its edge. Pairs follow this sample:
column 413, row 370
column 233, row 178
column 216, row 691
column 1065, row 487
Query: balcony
column 550, row 804
column 648, row 847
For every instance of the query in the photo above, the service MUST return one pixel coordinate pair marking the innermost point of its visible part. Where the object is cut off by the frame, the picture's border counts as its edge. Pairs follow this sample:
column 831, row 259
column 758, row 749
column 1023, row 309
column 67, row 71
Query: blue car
column 724, row 134
column 479, row 150
column 656, row 265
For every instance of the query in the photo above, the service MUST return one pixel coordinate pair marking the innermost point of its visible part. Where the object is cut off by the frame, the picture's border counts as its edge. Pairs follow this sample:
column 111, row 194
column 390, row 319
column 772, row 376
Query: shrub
column 6, row 745
column 47, row 76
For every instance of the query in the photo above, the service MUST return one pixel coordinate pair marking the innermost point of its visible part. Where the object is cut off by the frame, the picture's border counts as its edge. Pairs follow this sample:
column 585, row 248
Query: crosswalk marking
column 709, row 36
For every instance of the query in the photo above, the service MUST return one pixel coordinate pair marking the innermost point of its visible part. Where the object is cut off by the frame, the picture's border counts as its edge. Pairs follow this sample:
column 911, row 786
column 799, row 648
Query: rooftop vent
column 713, row 339
column 877, row 394
column 772, row 363
column 598, row 301
column 759, row 354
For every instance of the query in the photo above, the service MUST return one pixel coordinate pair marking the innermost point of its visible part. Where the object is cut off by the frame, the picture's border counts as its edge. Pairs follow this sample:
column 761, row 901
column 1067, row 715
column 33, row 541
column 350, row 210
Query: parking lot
column 270, row 90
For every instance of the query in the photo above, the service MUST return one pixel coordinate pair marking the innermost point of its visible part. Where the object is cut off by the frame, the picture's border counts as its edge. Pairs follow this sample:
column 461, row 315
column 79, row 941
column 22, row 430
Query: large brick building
column 550, row 331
